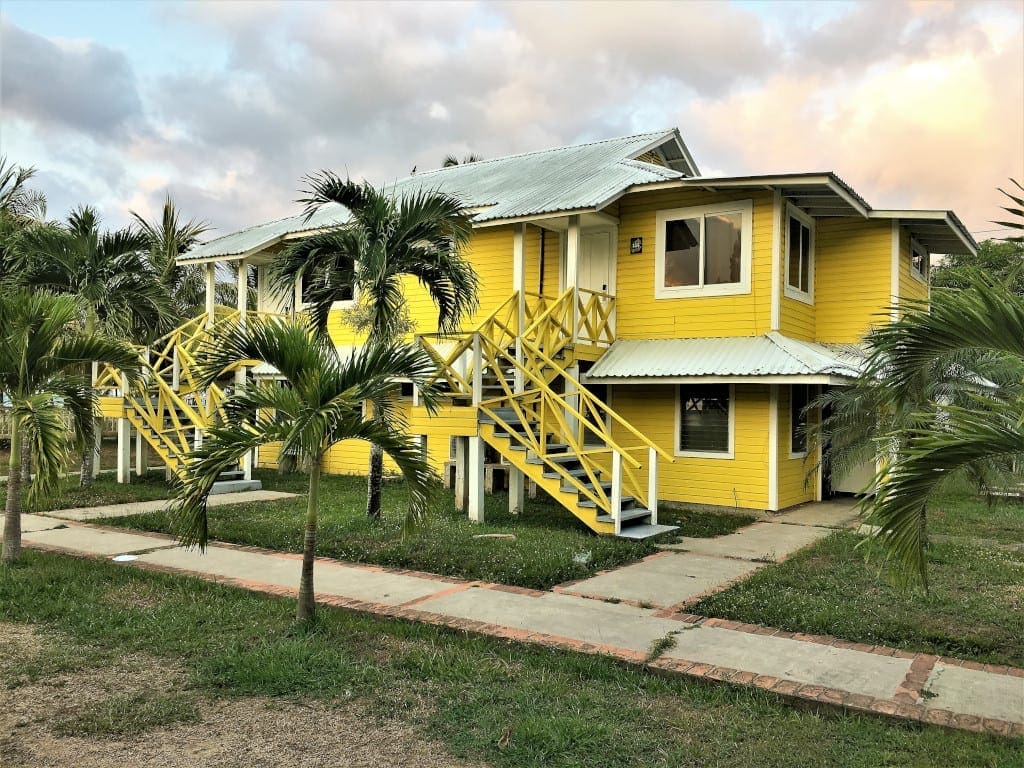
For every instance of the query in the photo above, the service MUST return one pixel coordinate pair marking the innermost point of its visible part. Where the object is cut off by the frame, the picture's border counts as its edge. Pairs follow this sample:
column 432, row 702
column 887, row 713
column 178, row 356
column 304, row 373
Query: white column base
column 516, row 491
column 124, row 451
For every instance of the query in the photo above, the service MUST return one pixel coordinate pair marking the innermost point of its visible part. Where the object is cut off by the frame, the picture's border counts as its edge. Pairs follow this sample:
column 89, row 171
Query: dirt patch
column 256, row 732
column 137, row 595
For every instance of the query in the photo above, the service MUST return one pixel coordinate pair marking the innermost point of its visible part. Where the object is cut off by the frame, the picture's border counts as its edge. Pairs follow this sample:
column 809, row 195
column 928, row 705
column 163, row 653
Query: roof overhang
column 830, row 380
column 938, row 231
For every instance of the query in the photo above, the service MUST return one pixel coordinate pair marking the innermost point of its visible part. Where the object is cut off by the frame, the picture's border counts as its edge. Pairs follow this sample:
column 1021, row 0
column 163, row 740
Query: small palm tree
column 109, row 271
column 42, row 350
column 419, row 235
column 319, row 406
column 168, row 238
column 451, row 160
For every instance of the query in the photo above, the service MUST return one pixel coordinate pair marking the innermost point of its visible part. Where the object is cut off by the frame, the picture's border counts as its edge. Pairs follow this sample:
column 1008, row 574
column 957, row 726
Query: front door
column 597, row 265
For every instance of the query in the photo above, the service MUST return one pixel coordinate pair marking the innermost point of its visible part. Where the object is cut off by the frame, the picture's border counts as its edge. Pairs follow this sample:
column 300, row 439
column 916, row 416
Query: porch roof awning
column 771, row 358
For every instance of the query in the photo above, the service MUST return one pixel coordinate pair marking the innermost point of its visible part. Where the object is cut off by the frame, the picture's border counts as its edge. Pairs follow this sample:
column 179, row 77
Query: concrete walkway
column 820, row 669
column 685, row 572
column 84, row 514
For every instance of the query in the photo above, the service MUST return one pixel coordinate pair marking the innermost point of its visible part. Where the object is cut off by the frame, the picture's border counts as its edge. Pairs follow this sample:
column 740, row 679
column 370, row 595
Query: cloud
column 78, row 85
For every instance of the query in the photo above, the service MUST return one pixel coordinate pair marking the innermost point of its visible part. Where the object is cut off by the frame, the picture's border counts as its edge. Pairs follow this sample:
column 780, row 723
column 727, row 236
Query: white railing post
column 572, row 266
column 175, row 369
column 652, row 484
column 124, row 442
column 616, row 497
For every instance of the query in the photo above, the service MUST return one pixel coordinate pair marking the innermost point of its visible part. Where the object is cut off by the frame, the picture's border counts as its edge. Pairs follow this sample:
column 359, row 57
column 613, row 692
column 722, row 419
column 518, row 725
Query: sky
column 226, row 105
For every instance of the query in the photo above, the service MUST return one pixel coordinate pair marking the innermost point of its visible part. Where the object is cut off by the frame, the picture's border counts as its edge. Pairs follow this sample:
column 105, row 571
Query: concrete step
column 235, row 486
column 627, row 503
column 627, row 514
column 640, row 532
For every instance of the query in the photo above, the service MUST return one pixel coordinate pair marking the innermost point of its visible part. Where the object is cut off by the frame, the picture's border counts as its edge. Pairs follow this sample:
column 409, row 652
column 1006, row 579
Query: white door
column 597, row 265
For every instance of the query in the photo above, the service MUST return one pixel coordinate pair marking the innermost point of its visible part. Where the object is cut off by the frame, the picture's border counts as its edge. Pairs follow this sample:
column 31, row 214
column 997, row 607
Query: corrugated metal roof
column 769, row 355
column 551, row 180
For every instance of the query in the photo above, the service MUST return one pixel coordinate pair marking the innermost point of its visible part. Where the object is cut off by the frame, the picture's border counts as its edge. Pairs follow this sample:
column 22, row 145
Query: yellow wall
column 794, row 485
column 641, row 316
column 853, row 260
column 741, row 481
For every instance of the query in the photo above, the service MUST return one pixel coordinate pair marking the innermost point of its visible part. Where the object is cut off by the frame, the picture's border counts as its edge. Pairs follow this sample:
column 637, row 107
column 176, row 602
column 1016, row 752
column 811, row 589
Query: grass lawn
column 962, row 512
column 104, row 490
column 558, row 709
column 974, row 609
column 550, row 546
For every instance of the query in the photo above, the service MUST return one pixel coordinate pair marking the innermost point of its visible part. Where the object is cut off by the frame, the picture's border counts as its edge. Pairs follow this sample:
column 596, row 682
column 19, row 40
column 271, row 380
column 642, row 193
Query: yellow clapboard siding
column 741, row 481
column 852, row 277
column 641, row 316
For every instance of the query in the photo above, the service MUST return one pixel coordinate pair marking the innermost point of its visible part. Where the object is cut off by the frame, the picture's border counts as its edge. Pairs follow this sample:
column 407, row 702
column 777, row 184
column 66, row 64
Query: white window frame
column 810, row 398
column 729, row 454
column 807, row 297
column 303, row 306
column 917, row 248
column 746, row 210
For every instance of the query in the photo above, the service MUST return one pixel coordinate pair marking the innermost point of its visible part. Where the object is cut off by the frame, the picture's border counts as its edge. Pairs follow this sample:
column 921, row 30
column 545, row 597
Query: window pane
column 682, row 252
column 805, row 259
column 704, row 417
column 799, row 397
column 722, row 251
column 793, row 247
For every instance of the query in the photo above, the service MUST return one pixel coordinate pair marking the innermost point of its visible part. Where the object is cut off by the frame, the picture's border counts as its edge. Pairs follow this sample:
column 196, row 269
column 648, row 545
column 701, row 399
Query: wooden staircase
column 561, row 440
column 168, row 406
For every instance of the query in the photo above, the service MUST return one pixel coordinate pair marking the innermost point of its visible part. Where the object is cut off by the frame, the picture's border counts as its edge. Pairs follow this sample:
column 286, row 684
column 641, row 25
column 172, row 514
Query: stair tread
column 627, row 514
column 645, row 531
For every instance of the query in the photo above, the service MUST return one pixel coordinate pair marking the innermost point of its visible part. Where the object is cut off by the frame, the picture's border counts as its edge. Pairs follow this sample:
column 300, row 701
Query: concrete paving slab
column 974, row 692
column 85, row 514
column 579, row 618
column 667, row 580
column 838, row 513
column 328, row 578
column 39, row 523
column 77, row 538
column 759, row 541
column 811, row 663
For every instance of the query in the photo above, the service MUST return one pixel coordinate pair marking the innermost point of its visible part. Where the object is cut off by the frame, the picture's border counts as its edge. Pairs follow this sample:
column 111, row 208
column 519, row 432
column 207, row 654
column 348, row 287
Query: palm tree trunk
column 306, row 609
column 12, row 512
column 26, row 462
column 374, row 482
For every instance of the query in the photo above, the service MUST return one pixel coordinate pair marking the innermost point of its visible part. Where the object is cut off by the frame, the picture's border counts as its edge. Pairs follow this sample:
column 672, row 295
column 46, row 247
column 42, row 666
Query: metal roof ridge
column 516, row 155
column 793, row 347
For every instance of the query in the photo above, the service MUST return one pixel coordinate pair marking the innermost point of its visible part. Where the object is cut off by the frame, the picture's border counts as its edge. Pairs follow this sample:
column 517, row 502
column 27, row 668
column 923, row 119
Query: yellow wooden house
column 645, row 333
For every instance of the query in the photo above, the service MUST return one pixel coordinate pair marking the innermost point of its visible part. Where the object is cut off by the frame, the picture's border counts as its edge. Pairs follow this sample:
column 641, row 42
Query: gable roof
column 578, row 177
column 724, row 359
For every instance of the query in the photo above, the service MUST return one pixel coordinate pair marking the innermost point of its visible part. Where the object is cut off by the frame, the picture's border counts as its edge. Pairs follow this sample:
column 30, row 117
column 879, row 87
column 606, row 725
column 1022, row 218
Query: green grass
column 962, row 512
column 550, row 545
column 973, row 610
column 129, row 715
column 104, row 490
column 563, row 710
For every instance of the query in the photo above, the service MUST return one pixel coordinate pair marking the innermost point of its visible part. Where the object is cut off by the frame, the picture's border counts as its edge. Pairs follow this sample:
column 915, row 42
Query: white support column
column 124, row 444
column 572, row 270
column 476, row 479
column 778, row 269
column 124, row 448
column 652, row 484
column 616, row 497
column 461, row 462
column 478, row 370
column 141, row 454
column 211, row 291
column 773, row 447
column 516, row 490
column 242, row 290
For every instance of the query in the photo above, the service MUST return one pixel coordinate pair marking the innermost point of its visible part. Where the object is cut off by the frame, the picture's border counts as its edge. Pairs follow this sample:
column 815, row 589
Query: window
column 800, row 396
column 309, row 282
column 703, row 251
column 919, row 261
column 705, row 419
column 799, row 255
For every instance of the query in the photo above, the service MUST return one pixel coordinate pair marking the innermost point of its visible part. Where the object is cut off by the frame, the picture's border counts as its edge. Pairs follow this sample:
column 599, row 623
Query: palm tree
column 109, row 271
column 451, row 160
column 420, row 234
column 320, row 405
column 946, row 382
column 42, row 349
column 20, row 209
column 168, row 238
